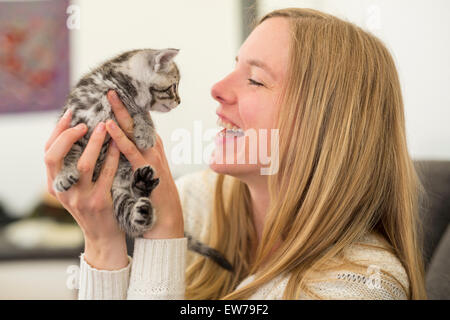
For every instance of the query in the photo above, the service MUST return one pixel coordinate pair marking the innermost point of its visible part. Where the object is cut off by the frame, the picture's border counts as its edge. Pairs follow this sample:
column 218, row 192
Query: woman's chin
column 222, row 166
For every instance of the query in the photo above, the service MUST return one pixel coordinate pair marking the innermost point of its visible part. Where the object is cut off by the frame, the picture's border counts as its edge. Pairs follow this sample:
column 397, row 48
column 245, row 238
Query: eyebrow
column 259, row 64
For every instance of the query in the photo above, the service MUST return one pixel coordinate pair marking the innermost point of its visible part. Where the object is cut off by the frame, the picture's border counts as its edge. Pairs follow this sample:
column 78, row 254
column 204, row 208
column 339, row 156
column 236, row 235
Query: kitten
column 145, row 80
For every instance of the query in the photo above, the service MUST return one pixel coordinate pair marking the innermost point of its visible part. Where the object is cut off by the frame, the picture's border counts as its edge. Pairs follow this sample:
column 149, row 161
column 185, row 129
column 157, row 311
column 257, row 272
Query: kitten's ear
column 163, row 58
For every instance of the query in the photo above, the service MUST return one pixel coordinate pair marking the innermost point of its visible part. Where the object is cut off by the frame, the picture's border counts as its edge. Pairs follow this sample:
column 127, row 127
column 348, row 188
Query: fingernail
column 80, row 126
column 100, row 127
column 112, row 125
column 113, row 95
column 67, row 114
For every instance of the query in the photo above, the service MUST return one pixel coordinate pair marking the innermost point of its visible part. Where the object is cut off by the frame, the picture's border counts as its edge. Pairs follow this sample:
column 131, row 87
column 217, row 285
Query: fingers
column 125, row 146
column 156, row 155
column 61, row 146
column 158, row 143
column 86, row 163
column 50, row 184
column 62, row 125
column 121, row 113
column 106, row 178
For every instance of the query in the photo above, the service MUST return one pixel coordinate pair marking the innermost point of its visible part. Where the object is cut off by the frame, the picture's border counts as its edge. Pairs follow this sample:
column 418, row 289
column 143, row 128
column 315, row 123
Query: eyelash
column 254, row 83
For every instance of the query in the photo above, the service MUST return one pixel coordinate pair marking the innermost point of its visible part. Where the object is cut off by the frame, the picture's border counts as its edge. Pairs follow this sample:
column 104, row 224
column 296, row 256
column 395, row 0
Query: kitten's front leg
column 144, row 131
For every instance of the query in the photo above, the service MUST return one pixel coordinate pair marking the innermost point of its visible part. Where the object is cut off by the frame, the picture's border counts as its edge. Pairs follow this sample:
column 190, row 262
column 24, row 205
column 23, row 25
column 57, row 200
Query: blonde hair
column 344, row 169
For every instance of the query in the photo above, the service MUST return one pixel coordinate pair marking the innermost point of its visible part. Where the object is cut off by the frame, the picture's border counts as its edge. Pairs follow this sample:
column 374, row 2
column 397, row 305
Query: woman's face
column 248, row 99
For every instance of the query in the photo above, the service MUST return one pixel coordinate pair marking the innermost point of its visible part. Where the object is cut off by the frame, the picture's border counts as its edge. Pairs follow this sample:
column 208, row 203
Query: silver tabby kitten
column 145, row 80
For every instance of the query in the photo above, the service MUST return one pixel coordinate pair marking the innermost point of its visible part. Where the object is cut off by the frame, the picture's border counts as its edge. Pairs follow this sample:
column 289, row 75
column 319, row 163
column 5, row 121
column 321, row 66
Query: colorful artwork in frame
column 34, row 55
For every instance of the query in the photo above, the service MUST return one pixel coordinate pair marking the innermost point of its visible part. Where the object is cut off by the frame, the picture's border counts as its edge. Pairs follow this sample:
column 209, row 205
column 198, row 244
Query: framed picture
column 34, row 55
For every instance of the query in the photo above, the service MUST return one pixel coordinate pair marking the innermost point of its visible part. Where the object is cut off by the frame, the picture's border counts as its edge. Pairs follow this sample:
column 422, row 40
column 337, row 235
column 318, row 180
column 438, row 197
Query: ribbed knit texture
column 158, row 266
column 158, row 269
column 102, row 284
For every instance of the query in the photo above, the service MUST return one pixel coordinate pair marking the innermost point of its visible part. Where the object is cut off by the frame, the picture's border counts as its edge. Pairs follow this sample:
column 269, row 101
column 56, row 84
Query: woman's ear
column 163, row 59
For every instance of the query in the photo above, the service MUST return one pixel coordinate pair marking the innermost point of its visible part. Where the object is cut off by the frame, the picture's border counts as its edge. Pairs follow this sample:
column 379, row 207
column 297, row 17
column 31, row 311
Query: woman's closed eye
column 255, row 83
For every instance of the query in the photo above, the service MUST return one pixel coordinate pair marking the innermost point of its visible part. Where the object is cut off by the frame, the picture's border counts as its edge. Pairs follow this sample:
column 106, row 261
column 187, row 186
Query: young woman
column 336, row 220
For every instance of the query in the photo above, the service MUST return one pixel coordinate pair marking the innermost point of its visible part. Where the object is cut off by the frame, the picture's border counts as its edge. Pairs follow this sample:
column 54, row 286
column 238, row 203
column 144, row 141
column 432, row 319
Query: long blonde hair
column 344, row 168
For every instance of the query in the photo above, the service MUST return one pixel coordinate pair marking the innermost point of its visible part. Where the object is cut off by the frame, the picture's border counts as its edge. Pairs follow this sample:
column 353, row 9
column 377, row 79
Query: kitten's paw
column 64, row 180
column 143, row 182
column 144, row 139
column 143, row 216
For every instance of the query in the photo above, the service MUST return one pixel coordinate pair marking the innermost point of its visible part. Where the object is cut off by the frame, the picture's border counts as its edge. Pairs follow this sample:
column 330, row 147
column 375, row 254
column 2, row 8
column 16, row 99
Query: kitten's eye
column 255, row 83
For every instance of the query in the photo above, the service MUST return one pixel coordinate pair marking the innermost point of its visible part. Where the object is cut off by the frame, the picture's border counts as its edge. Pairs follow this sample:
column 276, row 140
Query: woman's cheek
column 252, row 114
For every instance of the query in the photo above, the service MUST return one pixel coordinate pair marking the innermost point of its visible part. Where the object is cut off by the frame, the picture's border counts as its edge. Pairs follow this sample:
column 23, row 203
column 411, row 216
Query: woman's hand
column 89, row 203
column 164, row 198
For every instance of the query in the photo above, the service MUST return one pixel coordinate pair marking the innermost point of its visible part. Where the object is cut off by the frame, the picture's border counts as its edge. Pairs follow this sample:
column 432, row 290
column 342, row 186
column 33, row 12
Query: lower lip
column 221, row 137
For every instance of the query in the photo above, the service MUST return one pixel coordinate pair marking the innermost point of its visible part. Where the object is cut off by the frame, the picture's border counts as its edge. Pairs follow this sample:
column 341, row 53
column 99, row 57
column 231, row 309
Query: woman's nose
column 223, row 91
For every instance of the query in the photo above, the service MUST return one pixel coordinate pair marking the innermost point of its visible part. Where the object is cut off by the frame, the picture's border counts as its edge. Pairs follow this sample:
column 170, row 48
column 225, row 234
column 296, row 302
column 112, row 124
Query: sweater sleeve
column 158, row 270
column 102, row 284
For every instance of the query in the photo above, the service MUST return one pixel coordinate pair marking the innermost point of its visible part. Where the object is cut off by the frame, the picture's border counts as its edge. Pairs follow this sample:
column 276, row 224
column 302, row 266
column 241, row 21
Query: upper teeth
column 227, row 125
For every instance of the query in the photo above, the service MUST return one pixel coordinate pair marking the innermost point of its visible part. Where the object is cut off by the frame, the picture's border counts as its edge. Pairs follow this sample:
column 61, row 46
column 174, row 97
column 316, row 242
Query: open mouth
column 229, row 130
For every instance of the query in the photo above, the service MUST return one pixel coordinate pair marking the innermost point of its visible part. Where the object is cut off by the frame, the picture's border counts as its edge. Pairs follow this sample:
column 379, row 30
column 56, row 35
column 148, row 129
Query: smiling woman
column 339, row 219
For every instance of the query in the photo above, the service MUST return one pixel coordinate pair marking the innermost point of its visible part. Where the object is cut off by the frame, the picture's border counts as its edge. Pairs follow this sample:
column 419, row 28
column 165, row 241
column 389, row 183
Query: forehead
column 167, row 78
column 269, row 43
column 174, row 73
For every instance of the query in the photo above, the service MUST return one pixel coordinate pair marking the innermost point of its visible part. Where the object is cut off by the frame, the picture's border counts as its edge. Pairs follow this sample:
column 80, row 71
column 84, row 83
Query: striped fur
column 145, row 80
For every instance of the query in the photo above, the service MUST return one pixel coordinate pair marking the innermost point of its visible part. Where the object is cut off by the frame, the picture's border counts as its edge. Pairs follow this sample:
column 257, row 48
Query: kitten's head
column 157, row 76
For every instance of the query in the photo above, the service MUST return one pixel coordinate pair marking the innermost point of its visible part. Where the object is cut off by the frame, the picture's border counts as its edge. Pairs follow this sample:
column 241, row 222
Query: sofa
column 435, row 218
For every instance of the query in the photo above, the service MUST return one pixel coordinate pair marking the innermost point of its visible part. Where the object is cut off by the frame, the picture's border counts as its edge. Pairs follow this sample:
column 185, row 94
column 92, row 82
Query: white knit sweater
column 157, row 270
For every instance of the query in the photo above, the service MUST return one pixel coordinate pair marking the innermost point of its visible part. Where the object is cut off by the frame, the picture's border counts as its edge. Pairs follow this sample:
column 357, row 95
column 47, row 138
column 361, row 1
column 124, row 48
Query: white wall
column 206, row 31
column 417, row 33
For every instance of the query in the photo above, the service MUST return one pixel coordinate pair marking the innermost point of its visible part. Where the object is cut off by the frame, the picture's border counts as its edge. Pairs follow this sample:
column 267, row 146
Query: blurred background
column 47, row 45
